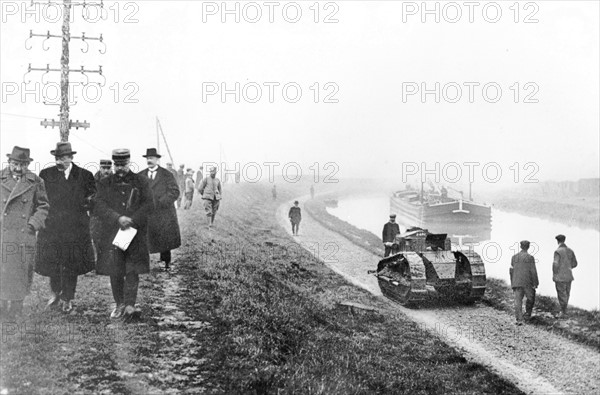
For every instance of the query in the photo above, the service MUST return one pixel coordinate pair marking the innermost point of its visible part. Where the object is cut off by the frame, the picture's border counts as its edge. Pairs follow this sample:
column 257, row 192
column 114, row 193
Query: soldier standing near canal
column 523, row 281
column 564, row 262
column 24, row 211
column 124, row 201
column 390, row 230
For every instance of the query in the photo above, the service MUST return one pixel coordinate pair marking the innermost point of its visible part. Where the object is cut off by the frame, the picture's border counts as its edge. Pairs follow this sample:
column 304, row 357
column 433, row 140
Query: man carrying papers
column 123, row 202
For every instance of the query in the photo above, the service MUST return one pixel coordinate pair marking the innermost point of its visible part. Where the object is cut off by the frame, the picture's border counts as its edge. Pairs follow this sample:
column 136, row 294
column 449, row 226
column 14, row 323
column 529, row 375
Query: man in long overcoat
column 24, row 211
column 124, row 200
column 181, row 183
column 523, row 281
column 65, row 248
column 562, row 273
column 388, row 235
column 163, row 226
column 295, row 216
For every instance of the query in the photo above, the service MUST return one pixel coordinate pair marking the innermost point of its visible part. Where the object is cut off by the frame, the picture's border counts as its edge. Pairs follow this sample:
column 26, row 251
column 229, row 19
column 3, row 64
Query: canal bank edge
column 582, row 325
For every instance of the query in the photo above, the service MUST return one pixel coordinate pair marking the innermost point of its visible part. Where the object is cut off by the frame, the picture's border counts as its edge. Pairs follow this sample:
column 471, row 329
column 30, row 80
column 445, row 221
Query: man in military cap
column 65, row 248
column 163, row 226
column 523, row 281
column 124, row 200
column 562, row 273
column 105, row 169
column 24, row 211
column 390, row 230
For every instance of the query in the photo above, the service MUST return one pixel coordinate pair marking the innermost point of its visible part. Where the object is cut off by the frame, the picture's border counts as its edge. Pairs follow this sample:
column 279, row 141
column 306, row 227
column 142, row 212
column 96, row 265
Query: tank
column 423, row 268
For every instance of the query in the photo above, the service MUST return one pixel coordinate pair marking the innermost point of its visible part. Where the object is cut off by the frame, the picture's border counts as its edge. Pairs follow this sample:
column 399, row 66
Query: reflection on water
column 498, row 245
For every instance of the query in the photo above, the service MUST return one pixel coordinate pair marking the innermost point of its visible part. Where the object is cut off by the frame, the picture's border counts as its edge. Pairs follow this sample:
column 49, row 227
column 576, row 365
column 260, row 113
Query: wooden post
column 64, row 75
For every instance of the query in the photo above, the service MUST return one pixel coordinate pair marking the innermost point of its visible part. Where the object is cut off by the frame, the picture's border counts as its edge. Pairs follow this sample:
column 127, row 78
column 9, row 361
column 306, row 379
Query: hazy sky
column 370, row 57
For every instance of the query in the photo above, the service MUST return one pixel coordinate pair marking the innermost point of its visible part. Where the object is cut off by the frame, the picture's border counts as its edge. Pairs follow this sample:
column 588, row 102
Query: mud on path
column 538, row 362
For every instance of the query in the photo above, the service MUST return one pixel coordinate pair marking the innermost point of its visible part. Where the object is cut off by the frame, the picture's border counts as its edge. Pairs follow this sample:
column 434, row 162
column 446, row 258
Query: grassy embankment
column 583, row 325
column 266, row 320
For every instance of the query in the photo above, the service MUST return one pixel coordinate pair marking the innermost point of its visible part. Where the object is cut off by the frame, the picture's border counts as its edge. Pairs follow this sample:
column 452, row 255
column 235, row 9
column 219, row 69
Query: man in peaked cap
column 163, row 226
column 523, row 281
column 124, row 201
column 105, row 169
column 65, row 248
column 562, row 273
column 390, row 230
column 24, row 211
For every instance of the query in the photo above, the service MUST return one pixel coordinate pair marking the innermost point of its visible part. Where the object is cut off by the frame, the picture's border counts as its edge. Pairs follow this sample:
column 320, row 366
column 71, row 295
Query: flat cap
column 392, row 215
column 105, row 163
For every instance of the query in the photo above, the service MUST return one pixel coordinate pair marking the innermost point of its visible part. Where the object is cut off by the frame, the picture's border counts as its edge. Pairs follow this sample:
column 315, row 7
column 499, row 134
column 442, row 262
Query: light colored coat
column 522, row 271
column 564, row 261
column 210, row 188
column 23, row 203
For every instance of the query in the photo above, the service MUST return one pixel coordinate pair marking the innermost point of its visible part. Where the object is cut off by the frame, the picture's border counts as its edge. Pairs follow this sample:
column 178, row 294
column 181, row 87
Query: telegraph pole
column 64, row 123
column 64, row 72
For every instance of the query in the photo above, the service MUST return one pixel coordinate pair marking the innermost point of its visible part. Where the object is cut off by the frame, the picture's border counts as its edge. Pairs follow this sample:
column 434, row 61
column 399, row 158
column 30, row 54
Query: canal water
column 370, row 212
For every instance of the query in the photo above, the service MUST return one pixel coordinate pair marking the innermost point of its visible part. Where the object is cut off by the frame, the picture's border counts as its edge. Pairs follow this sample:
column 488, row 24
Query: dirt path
column 538, row 362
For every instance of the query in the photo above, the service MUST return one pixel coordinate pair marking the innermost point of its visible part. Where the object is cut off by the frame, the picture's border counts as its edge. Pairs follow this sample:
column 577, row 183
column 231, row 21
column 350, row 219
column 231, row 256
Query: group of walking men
column 523, row 273
column 62, row 224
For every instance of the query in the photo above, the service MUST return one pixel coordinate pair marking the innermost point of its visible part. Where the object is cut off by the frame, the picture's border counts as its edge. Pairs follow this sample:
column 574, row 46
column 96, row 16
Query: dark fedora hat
column 20, row 154
column 151, row 152
column 62, row 148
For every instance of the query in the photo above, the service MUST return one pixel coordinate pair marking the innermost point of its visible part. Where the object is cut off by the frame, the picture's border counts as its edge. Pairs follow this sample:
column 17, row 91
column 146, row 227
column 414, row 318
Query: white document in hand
column 124, row 237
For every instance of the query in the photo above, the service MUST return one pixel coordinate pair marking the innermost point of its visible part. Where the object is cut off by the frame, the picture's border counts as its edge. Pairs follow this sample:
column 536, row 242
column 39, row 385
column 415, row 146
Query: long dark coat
column 130, row 196
column 23, row 203
column 163, row 226
column 390, row 230
column 65, row 245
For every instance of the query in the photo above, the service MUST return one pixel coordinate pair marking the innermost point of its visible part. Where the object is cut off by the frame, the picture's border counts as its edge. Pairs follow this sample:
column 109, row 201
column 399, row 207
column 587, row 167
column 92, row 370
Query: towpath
column 537, row 361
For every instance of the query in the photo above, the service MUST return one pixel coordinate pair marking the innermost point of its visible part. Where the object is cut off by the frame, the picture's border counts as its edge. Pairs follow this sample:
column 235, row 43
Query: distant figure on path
column 274, row 192
column 312, row 191
column 189, row 189
column 172, row 170
column 564, row 261
column 238, row 176
column 210, row 189
column 163, row 226
column 523, row 281
column 295, row 216
column 390, row 230
column 199, row 176
column 181, row 183
column 24, row 211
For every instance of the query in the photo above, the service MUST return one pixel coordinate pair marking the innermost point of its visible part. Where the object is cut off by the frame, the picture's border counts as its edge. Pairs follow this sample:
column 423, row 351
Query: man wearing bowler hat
column 124, row 200
column 163, row 226
column 24, row 211
column 390, row 230
column 65, row 248
column 562, row 273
